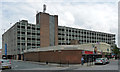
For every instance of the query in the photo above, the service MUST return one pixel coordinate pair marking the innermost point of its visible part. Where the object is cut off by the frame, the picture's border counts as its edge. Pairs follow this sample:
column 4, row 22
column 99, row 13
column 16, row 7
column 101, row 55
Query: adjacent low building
column 67, row 53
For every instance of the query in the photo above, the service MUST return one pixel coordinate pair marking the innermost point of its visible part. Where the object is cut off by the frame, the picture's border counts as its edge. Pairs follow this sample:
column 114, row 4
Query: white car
column 4, row 63
column 100, row 61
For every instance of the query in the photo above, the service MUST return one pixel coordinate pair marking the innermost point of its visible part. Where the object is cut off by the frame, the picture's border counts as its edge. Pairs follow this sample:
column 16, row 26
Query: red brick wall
column 44, row 30
column 71, row 56
column 32, row 56
column 56, row 30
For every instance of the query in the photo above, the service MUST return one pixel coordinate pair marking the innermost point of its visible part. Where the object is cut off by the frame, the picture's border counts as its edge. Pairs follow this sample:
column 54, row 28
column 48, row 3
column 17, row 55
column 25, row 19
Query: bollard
column 87, row 62
column 46, row 62
column 60, row 64
column 68, row 63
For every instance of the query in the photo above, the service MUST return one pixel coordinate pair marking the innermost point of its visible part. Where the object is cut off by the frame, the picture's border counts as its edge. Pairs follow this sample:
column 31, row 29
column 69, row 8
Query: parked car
column 5, row 63
column 100, row 61
column 106, row 60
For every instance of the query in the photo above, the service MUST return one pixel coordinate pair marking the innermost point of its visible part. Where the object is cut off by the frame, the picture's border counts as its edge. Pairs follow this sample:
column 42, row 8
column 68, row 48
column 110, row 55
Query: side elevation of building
column 21, row 36
column 66, row 34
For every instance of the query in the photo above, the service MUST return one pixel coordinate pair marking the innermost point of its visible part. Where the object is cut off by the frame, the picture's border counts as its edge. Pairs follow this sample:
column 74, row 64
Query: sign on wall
column 5, row 49
column 87, row 52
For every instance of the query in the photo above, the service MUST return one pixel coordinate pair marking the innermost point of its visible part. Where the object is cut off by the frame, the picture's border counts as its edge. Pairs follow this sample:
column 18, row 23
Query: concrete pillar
column 17, row 57
column 21, row 57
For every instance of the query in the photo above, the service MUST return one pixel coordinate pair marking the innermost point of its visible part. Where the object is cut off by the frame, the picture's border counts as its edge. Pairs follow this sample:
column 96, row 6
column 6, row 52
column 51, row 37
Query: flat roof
column 86, row 47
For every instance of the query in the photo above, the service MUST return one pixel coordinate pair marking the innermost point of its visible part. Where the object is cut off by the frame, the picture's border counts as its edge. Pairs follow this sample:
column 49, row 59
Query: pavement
column 60, row 65
column 56, row 64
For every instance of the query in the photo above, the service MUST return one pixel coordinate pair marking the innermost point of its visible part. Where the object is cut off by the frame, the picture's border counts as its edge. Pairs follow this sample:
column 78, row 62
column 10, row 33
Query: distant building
column 46, row 32
column 119, row 24
column 0, row 53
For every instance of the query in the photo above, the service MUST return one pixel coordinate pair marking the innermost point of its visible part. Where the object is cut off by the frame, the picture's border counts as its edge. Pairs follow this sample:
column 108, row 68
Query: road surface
column 26, row 65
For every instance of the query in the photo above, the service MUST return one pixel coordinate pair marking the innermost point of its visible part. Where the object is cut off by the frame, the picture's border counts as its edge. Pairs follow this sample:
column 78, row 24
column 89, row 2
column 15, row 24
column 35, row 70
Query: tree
column 116, row 50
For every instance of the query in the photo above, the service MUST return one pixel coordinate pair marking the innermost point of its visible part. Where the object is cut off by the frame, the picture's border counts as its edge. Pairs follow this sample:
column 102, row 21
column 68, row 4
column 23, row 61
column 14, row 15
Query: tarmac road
column 25, row 65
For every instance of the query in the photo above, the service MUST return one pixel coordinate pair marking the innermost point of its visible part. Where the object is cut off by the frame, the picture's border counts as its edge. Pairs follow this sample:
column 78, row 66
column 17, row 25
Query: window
column 28, row 44
column 38, row 39
column 59, row 43
column 22, row 32
column 38, row 33
column 59, row 33
column 33, row 38
column 28, row 38
column 22, row 43
column 18, row 26
column 59, row 38
column 59, row 29
column 33, row 28
column 38, row 28
column 62, row 38
column 38, row 44
column 33, row 33
column 28, row 33
column 69, row 30
column 28, row 27
column 23, row 27
column 18, row 37
column 33, row 44
column 18, row 32
column 18, row 43
column 23, row 38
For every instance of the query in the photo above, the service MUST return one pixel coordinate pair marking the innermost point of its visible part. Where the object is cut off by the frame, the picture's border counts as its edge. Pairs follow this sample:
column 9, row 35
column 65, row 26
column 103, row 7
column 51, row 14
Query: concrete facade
column 21, row 36
column 119, row 24
column 66, row 34
column 10, row 38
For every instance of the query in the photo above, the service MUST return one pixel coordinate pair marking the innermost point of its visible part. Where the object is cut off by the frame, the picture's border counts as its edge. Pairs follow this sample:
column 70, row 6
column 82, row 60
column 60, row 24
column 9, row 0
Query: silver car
column 4, row 63
column 106, row 60
column 100, row 61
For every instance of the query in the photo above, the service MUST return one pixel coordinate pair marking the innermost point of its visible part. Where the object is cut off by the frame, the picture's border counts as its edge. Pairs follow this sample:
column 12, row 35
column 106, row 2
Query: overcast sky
column 96, row 15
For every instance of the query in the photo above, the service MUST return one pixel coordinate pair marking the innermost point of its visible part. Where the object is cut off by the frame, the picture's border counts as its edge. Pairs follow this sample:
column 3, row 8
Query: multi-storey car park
column 21, row 36
column 46, row 32
column 66, row 34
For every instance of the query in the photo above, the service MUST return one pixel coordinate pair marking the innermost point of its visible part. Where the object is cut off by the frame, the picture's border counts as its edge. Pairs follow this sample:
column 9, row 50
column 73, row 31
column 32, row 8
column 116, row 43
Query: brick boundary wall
column 64, row 56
